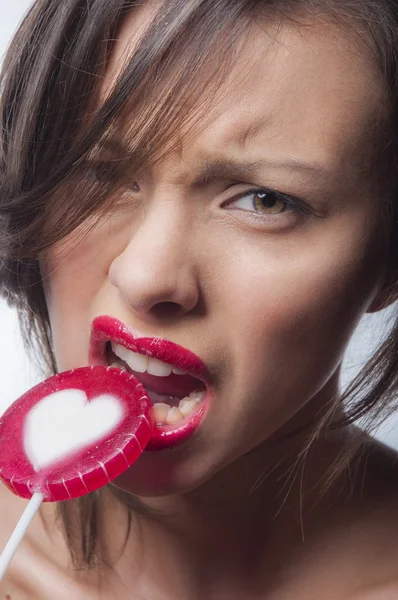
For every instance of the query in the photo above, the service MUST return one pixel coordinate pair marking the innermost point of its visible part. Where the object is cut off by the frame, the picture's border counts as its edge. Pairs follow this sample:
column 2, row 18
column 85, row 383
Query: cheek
column 75, row 273
column 294, row 310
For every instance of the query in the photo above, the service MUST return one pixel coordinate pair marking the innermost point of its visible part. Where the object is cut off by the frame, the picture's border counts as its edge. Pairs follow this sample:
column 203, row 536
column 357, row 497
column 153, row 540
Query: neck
column 246, row 523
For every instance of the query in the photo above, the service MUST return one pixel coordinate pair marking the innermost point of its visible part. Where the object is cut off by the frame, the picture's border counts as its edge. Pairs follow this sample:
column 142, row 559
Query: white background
column 17, row 374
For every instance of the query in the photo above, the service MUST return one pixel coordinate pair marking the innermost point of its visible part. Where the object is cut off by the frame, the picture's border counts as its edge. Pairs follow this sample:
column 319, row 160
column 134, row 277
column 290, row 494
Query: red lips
column 105, row 329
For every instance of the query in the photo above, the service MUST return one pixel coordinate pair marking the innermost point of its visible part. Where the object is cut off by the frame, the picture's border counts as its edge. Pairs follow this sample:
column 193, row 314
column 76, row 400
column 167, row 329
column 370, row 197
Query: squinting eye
column 108, row 172
column 264, row 202
column 104, row 172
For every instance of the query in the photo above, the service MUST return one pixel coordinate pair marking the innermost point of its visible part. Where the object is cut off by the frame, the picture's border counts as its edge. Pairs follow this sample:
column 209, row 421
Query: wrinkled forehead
column 130, row 31
column 304, row 87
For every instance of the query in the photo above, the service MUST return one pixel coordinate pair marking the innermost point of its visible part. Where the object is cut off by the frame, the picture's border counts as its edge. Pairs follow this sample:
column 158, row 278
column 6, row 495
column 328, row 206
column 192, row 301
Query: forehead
column 306, row 89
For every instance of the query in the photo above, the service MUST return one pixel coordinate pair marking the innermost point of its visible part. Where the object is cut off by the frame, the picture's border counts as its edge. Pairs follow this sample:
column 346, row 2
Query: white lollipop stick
column 19, row 532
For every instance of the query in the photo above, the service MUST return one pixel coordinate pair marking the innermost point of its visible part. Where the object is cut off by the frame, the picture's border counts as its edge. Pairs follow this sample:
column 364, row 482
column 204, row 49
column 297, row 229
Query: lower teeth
column 163, row 414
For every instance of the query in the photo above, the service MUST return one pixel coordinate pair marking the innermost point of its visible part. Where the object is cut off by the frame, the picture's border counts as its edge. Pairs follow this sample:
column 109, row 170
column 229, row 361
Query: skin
column 269, row 302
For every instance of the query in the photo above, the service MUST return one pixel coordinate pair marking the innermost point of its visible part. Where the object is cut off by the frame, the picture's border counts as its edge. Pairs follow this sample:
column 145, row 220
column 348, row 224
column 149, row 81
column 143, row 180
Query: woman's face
column 266, row 293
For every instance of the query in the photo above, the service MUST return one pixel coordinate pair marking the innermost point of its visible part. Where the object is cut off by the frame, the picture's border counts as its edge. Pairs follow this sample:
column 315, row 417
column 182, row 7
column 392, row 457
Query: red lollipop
column 70, row 435
column 74, row 433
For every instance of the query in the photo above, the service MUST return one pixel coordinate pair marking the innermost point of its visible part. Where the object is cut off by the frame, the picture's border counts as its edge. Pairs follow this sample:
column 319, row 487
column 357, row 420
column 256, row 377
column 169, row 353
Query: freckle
column 8, row 597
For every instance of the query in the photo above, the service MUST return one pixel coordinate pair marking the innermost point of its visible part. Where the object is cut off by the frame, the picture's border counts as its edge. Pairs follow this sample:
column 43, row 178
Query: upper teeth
column 141, row 363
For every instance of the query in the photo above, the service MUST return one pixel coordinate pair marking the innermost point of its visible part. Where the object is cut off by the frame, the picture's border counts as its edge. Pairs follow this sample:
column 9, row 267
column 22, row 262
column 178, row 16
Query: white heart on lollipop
column 65, row 422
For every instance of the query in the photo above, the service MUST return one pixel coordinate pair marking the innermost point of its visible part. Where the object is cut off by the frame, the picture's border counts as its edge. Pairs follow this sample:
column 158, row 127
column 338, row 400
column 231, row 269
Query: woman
column 220, row 175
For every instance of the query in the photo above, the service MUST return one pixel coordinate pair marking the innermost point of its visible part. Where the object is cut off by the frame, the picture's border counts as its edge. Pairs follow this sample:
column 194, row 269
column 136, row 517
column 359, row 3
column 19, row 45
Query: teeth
column 159, row 368
column 160, row 412
column 141, row 363
column 197, row 395
column 136, row 362
column 163, row 414
column 119, row 350
column 186, row 406
column 174, row 416
column 179, row 371
column 117, row 366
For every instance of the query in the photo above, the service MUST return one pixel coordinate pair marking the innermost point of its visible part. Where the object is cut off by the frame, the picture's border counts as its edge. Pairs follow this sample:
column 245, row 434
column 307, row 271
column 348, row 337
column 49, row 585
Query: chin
column 166, row 475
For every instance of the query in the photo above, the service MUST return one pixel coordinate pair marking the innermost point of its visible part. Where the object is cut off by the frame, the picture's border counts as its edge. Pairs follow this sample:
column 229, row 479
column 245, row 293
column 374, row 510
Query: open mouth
column 176, row 395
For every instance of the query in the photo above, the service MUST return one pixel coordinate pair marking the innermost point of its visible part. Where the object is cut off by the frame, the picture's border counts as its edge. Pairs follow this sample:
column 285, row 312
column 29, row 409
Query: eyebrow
column 233, row 169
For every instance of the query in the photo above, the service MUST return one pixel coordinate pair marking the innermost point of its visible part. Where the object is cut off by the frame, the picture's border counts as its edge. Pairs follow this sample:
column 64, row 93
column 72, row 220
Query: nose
column 155, row 274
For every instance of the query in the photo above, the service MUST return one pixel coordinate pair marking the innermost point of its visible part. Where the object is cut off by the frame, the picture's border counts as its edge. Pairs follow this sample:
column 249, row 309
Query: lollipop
column 71, row 435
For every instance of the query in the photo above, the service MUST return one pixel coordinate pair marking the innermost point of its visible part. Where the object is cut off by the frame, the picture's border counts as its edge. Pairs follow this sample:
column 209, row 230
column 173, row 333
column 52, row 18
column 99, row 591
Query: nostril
column 168, row 309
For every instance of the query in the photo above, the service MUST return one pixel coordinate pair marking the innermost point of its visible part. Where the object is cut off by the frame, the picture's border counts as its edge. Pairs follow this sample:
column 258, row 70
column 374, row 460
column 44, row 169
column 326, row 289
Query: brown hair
column 54, row 126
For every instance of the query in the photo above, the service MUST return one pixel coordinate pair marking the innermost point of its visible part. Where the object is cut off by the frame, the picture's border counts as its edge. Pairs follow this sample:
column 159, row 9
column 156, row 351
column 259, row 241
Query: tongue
column 156, row 398
column 173, row 385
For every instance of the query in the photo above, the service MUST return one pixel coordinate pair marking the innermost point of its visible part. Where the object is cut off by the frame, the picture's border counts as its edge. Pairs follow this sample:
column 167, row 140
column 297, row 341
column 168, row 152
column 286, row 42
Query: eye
column 103, row 172
column 262, row 201
column 268, row 202
column 109, row 173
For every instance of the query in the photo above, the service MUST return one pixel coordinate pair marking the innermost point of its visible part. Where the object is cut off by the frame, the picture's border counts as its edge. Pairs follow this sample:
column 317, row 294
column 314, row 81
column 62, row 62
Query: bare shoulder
column 376, row 526
column 380, row 473
column 355, row 551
